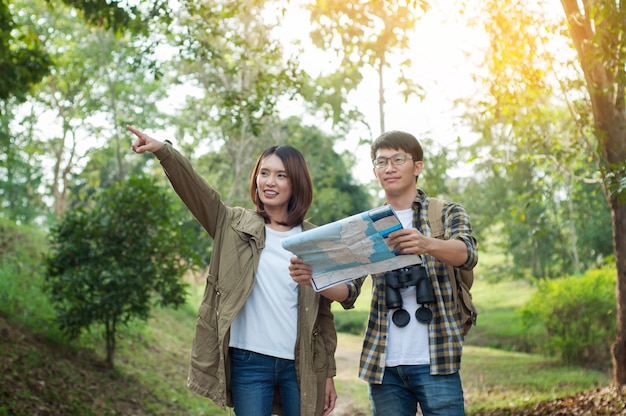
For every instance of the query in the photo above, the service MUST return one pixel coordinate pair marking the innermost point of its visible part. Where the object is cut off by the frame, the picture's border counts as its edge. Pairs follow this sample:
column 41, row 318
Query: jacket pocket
column 320, row 355
column 205, row 352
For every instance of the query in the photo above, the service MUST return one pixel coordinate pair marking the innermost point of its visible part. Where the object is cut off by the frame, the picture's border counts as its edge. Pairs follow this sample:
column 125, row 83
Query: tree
column 336, row 195
column 91, row 73
column 110, row 14
column 535, row 152
column 23, row 60
column 580, row 147
column 598, row 34
column 238, row 67
column 96, row 81
column 366, row 33
column 116, row 256
column 21, row 172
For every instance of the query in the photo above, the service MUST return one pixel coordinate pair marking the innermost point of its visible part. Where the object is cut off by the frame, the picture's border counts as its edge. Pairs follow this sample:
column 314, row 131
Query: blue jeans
column 405, row 386
column 255, row 377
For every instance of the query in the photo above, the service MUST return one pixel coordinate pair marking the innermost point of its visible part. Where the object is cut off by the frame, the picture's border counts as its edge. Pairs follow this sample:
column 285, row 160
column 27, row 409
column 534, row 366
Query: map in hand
column 350, row 248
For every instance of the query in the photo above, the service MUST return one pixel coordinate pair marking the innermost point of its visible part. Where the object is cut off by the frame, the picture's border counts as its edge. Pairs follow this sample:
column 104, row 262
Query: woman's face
column 274, row 187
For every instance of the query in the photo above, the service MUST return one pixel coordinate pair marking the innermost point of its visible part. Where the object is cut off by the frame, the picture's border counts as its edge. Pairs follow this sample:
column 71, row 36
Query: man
column 413, row 342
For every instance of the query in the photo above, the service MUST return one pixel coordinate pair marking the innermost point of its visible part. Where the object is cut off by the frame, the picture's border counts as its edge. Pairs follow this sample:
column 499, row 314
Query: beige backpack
column 464, row 278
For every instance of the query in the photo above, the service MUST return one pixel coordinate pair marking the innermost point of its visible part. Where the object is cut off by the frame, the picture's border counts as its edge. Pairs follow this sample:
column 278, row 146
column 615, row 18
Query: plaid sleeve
column 354, row 289
column 457, row 226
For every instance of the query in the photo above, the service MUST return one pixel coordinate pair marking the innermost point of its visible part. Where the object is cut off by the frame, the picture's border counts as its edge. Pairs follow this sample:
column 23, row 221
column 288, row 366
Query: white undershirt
column 407, row 345
column 267, row 323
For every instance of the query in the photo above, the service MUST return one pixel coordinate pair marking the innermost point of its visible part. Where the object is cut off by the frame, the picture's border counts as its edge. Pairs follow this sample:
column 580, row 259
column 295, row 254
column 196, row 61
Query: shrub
column 22, row 249
column 350, row 321
column 111, row 260
column 578, row 313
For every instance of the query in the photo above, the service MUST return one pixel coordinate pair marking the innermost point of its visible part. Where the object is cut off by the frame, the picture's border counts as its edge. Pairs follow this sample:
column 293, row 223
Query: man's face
column 396, row 170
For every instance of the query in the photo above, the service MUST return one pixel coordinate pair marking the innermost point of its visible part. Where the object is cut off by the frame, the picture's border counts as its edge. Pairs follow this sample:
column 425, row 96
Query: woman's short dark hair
column 299, row 178
column 398, row 140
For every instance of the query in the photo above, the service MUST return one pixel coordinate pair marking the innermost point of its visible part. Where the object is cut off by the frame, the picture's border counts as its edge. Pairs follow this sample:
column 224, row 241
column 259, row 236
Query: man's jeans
column 254, row 379
column 405, row 386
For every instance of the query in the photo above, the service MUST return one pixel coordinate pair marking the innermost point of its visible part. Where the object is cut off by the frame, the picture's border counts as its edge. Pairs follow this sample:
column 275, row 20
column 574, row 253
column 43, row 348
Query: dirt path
column 352, row 391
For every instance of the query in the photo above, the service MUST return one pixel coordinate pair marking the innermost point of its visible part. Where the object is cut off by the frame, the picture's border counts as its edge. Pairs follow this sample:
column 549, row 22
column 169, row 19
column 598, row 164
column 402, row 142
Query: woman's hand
column 330, row 397
column 300, row 273
column 144, row 143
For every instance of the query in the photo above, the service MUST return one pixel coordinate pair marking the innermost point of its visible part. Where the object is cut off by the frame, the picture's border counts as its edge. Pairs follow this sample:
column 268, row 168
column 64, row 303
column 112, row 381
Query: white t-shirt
column 407, row 345
column 267, row 323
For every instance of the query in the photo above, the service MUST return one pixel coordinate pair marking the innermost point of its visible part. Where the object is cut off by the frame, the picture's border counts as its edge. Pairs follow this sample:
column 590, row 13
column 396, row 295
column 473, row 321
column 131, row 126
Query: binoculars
column 405, row 277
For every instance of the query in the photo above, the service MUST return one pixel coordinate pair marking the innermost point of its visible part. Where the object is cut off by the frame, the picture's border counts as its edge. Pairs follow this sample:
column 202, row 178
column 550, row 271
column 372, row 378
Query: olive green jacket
column 239, row 236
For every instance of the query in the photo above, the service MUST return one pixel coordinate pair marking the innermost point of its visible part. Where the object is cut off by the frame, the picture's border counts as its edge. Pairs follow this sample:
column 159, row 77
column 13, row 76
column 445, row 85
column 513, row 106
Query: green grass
column 502, row 379
column 496, row 372
column 353, row 321
column 159, row 356
column 499, row 324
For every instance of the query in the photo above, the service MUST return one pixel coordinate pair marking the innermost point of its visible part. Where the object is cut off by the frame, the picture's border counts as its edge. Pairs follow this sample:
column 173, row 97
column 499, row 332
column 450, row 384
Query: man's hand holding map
column 350, row 248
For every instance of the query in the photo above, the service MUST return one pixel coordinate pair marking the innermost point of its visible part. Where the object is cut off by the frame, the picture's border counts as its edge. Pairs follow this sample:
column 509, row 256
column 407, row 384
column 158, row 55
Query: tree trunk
column 603, row 68
column 610, row 125
column 110, row 329
column 619, row 239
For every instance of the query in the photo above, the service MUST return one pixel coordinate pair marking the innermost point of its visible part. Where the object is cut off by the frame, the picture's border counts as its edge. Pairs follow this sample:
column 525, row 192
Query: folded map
column 350, row 248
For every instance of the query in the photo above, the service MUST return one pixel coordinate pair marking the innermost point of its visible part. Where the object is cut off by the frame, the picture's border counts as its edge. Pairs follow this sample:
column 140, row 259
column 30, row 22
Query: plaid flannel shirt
column 445, row 332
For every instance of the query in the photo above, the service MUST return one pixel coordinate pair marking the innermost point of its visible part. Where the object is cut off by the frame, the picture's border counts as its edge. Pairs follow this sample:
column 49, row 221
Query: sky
column 443, row 53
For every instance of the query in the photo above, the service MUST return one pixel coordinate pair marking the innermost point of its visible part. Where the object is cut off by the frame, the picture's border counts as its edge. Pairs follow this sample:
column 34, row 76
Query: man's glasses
column 396, row 160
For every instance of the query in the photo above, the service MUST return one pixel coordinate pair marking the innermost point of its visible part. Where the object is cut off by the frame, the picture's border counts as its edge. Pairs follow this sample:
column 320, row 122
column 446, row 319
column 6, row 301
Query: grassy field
column 154, row 356
column 494, row 374
column 41, row 374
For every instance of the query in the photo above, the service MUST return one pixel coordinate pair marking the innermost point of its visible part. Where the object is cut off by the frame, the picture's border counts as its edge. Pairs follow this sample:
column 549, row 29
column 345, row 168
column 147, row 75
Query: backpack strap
column 435, row 207
column 461, row 279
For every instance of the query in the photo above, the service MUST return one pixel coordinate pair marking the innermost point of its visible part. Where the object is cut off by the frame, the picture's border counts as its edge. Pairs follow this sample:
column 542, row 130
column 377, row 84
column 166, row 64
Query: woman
column 262, row 344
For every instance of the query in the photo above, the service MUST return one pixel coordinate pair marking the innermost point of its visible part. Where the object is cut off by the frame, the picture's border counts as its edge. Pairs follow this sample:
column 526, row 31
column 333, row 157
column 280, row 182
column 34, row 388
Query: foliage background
column 523, row 149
